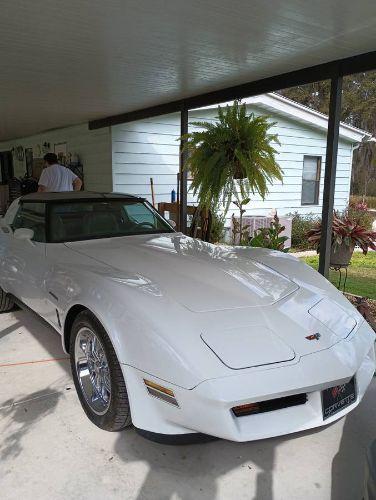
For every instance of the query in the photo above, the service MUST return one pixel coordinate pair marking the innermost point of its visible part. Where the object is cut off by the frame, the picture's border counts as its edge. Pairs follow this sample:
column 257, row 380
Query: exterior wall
column 149, row 148
column 92, row 146
column 145, row 149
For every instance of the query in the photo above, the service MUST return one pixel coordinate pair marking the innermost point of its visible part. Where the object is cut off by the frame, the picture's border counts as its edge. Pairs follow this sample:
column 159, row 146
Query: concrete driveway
column 49, row 449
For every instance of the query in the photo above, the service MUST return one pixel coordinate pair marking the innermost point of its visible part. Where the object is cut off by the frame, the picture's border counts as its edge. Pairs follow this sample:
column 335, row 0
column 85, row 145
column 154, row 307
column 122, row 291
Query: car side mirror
column 23, row 233
column 6, row 228
column 172, row 223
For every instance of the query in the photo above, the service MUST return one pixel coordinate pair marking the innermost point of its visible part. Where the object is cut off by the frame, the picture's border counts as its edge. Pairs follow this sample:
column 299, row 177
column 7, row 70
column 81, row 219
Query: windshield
column 90, row 219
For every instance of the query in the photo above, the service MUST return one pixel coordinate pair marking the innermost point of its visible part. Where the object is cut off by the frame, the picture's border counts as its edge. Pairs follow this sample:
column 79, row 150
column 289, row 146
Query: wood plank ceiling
column 64, row 63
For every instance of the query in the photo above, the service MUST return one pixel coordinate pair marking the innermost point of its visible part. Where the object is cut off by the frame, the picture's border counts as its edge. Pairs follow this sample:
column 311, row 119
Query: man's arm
column 77, row 184
column 43, row 182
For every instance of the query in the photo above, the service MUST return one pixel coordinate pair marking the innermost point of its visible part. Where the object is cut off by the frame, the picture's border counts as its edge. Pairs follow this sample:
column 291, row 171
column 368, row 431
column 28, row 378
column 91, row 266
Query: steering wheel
column 147, row 224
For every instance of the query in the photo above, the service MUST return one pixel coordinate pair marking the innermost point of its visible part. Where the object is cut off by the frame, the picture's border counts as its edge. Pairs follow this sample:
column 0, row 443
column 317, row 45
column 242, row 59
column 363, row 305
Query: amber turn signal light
column 160, row 392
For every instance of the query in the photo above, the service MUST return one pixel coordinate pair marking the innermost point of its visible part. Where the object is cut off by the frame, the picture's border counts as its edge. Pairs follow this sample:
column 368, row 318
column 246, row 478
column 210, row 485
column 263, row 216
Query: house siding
column 124, row 157
column 92, row 146
column 150, row 148
column 145, row 149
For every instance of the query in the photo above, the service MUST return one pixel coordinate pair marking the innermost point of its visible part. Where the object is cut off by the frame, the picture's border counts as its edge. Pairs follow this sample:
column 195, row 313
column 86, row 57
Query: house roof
column 275, row 103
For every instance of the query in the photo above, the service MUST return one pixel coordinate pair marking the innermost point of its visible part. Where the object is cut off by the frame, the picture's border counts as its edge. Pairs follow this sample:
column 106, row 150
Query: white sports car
column 180, row 337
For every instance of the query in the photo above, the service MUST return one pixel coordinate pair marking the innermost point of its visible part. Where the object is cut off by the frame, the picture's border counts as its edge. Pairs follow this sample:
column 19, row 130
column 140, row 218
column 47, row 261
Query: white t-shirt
column 57, row 178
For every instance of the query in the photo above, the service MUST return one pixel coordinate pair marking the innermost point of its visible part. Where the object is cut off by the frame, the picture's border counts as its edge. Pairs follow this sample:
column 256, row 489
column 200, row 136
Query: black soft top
column 73, row 196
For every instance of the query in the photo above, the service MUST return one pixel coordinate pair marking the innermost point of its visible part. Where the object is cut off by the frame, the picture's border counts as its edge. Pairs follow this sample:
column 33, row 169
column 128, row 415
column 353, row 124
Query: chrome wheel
column 92, row 370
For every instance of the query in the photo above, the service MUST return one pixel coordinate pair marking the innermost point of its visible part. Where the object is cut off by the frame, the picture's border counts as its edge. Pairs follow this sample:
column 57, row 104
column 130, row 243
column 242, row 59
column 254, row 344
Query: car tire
column 108, row 405
column 6, row 304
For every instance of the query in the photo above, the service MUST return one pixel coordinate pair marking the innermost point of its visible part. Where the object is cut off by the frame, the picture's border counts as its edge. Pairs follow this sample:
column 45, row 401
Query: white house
column 141, row 150
column 124, row 157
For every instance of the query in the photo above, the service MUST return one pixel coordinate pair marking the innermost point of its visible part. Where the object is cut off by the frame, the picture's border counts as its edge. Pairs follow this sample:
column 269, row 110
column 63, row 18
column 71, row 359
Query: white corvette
column 177, row 336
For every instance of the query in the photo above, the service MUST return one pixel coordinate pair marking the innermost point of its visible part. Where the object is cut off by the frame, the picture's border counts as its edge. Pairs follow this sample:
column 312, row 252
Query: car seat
column 58, row 228
column 98, row 223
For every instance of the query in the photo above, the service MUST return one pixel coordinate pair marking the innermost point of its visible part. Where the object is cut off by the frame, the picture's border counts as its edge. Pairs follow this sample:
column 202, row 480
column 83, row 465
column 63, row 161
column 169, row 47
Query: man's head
column 50, row 159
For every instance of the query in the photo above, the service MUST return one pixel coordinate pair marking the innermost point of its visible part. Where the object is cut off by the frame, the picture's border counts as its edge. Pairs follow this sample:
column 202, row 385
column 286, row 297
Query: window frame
column 50, row 203
column 317, row 181
column 21, row 206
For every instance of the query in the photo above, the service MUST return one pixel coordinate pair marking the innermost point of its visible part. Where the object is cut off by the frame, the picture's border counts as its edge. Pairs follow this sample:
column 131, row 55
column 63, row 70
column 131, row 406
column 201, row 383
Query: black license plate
column 337, row 398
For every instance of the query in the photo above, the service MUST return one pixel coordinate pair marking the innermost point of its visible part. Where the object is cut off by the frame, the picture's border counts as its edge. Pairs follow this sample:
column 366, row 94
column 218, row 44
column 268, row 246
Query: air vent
column 269, row 405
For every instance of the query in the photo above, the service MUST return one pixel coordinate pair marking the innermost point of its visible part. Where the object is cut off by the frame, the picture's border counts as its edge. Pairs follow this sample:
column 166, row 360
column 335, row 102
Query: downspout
column 354, row 146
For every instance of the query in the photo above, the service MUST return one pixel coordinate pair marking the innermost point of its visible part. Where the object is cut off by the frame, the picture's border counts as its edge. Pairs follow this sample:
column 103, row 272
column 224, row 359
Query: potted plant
column 232, row 157
column 346, row 234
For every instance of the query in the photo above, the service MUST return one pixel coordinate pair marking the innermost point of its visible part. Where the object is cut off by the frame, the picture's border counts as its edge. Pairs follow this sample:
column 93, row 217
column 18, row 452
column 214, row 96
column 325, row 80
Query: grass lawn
column 361, row 278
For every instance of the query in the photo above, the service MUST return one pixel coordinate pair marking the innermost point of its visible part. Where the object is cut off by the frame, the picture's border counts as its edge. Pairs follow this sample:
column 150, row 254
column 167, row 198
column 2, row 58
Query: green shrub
column 358, row 210
column 360, row 216
column 270, row 237
column 301, row 224
column 217, row 228
column 369, row 200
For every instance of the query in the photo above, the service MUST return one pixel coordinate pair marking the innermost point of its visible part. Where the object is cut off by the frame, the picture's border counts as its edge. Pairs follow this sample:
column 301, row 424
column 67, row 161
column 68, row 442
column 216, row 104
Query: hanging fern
column 232, row 157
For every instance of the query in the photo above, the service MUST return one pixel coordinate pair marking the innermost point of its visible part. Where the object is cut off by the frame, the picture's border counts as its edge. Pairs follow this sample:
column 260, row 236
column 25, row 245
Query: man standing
column 56, row 178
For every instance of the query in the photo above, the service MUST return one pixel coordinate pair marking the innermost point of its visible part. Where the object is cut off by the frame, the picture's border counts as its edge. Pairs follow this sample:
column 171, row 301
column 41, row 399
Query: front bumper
column 207, row 407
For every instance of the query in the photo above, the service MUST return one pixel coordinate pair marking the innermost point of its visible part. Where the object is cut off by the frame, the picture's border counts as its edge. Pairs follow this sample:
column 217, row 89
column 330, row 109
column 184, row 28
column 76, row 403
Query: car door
column 25, row 260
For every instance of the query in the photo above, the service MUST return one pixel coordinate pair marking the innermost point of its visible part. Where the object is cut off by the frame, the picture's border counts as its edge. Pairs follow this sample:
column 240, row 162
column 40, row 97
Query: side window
column 139, row 213
column 32, row 216
column 311, row 180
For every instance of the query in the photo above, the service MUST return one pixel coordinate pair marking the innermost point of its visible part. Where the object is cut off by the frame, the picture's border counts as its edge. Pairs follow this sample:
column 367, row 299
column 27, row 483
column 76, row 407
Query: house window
column 311, row 180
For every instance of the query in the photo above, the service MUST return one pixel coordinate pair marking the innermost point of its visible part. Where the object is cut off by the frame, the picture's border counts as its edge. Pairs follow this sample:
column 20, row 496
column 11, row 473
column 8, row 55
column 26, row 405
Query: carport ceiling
column 69, row 62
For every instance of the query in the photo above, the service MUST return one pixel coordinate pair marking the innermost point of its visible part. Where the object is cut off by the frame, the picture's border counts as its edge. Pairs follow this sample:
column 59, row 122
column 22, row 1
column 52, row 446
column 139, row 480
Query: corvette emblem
column 314, row 336
column 338, row 390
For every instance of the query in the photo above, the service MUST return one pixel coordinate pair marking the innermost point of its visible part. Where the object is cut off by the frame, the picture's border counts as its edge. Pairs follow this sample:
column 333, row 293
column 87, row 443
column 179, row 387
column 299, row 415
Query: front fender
column 147, row 328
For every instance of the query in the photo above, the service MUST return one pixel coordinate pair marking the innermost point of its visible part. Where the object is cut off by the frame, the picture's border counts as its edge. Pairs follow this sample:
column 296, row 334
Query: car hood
column 200, row 276
column 242, row 307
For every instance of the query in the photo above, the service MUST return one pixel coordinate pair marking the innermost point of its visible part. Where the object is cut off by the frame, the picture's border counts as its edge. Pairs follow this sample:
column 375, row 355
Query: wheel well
column 73, row 312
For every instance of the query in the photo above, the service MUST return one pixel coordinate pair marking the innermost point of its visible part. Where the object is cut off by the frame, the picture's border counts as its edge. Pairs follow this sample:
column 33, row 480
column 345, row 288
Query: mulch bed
column 366, row 307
